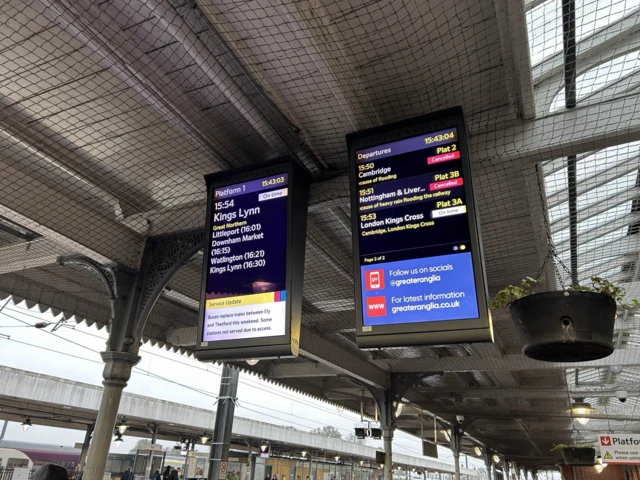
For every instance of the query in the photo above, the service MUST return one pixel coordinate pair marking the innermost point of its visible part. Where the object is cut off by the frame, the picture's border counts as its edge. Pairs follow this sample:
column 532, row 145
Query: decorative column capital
column 117, row 367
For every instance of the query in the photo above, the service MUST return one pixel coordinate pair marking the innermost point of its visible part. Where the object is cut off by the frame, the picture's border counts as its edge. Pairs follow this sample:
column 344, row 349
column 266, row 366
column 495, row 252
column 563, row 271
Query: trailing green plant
column 562, row 446
column 511, row 293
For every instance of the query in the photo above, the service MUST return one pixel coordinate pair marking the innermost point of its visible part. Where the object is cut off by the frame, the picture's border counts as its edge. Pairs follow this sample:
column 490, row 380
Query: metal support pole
column 310, row 465
column 570, row 101
column 387, row 435
column 487, row 461
column 85, row 447
column 135, row 461
column 455, row 443
column 399, row 383
column 569, row 51
column 117, row 371
column 4, row 429
column 186, row 460
column 224, row 421
column 507, row 473
column 154, row 435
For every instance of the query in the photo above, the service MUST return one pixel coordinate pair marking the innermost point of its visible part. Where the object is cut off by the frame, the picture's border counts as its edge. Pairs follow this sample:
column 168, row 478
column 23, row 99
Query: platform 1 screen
column 246, row 292
column 413, row 231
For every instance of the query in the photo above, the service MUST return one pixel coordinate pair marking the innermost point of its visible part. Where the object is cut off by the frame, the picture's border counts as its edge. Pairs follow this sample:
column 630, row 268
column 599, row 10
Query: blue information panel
column 419, row 290
column 416, row 236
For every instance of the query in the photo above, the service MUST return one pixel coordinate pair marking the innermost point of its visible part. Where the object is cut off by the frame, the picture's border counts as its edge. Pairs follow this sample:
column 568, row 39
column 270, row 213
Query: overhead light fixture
column 598, row 468
column 264, row 447
column 376, row 433
column 337, row 457
column 399, row 408
column 118, row 439
column 252, row 361
column 413, row 469
column 204, row 438
column 496, row 458
column 600, row 462
column 26, row 425
column 361, row 462
column 477, row 450
column 304, row 453
column 122, row 427
column 183, row 442
column 580, row 408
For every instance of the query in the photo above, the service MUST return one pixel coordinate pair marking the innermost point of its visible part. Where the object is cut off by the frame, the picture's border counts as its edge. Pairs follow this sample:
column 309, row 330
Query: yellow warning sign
column 607, row 456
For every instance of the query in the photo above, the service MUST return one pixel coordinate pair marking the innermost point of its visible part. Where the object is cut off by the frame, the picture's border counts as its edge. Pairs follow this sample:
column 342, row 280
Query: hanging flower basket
column 579, row 456
column 565, row 326
column 573, row 325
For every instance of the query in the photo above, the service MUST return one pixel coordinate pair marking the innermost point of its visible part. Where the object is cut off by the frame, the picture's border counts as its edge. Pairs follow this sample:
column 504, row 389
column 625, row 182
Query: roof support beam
column 295, row 370
column 23, row 256
column 321, row 349
column 512, row 28
column 565, row 133
column 584, row 129
column 282, row 141
column 65, row 220
column 502, row 414
column 333, row 359
column 131, row 66
column 524, row 392
column 509, row 362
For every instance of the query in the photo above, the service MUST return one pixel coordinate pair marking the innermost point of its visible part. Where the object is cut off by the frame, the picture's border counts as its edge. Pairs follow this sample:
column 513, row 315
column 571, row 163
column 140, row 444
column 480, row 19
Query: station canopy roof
column 112, row 111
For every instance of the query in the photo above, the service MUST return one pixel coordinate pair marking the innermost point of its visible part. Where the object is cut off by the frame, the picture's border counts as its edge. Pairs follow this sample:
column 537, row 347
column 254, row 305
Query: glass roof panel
column 602, row 248
column 592, row 196
column 544, row 23
column 594, row 222
column 591, row 165
column 592, row 250
column 604, row 217
column 599, row 77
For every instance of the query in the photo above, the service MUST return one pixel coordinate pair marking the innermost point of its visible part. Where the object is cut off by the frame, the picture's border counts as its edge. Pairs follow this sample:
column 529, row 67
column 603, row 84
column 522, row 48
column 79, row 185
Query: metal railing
column 6, row 473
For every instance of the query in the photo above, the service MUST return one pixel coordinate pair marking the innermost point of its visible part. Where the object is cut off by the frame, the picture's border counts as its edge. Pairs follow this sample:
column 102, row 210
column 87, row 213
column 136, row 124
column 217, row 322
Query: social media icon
column 377, row 306
column 374, row 279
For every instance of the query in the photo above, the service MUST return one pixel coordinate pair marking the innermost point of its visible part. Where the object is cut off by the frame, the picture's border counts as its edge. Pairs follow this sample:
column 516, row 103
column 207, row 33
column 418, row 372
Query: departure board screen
column 246, row 293
column 415, row 243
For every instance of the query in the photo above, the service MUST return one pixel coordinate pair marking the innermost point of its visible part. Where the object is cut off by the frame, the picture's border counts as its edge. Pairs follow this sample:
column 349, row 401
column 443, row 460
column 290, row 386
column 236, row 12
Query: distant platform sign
column 620, row 448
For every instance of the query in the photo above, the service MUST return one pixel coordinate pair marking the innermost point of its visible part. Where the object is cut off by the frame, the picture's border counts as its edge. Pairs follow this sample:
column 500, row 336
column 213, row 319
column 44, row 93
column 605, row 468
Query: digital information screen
column 246, row 286
column 246, row 304
column 418, row 251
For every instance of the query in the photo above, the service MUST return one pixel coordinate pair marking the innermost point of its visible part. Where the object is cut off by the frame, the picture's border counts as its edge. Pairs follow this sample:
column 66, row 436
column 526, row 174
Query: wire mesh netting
column 112, row 111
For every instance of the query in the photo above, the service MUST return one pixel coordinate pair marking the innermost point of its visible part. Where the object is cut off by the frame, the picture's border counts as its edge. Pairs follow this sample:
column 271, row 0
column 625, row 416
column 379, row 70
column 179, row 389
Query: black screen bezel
column 297, row 201
column 454, row 331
